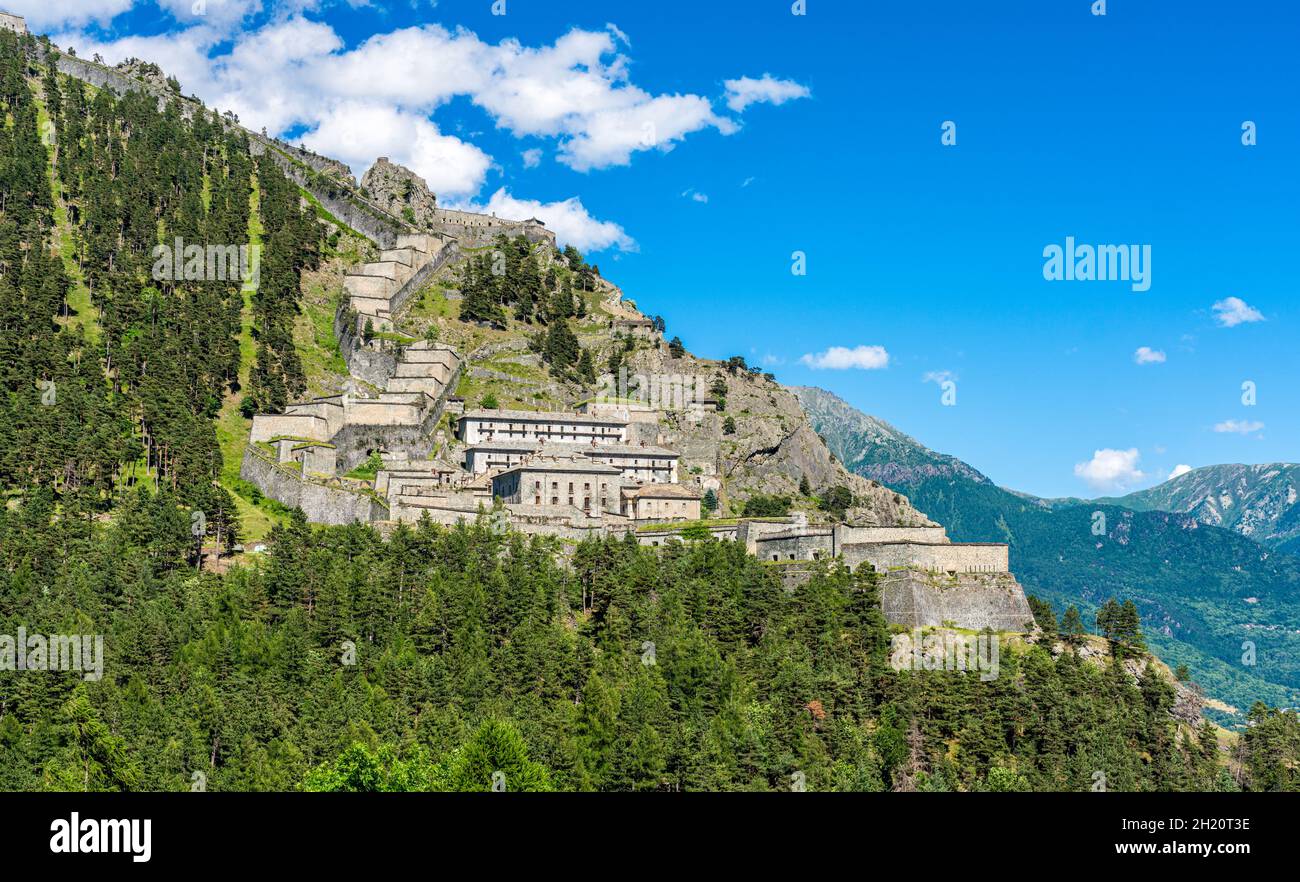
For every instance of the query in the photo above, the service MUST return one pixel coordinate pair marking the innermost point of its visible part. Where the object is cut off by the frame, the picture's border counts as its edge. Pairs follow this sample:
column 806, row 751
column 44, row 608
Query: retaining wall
column 321, row 503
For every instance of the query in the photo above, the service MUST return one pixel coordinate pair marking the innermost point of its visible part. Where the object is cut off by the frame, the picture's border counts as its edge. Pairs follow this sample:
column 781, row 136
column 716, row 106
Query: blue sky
column 821, row 134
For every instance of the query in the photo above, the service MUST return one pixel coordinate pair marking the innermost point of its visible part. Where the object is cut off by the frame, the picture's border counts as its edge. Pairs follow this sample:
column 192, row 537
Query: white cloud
column 1179, row 469
column 839, row 358
column 357, row 132
column 696, row 195
column 1232, row 311
column 617, row 32
column 292, row 73
column 1238, row 427
column 572, row 223
column 939, row 377
column 1147, row 355
column 745, row 91
column 747, row 181
column 1110, row 470
column 224, row 14
column 43, row 15
column 532, row 158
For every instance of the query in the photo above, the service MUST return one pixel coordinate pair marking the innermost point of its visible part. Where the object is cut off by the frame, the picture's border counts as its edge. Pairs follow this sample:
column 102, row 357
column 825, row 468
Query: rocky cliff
column 400, row 192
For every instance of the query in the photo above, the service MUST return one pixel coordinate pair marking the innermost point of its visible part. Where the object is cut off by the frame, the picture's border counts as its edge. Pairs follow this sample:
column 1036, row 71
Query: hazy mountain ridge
column 1202, row 590
column 872, row 447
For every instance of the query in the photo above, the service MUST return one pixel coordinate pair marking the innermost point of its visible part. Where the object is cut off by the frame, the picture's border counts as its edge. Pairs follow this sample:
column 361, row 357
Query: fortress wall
column 469, row 219
column 354, row 442
column 971, row 600
column 370, row 306
column 445, row 357
column 320, row 503
column 404, row 511
column 316, row 162
column 400, row 480
column 386, row 269
column 369, row 412
column 750, row 532
column 376, row 286
column 478, row 230
column 417, row 242
column 370, row 365
column 805, row 547
column 368, row 220
column 427, row 385
column 103, row 77
column 267, row 426
column 330, row 411
column 406, row 368
column 793, row 575
column 443, row 252
column 319, row 460
column 851, row 535
column 404, row 256
column 962, row 558
column 722, row 532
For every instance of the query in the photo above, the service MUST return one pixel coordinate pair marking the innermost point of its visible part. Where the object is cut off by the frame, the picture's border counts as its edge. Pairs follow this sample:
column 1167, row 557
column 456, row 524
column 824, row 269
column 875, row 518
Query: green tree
column 494, row 754
column 361, row 770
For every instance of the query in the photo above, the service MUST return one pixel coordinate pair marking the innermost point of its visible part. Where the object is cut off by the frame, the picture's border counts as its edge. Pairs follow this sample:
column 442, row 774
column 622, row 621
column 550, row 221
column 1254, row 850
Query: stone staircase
column 423, row 367
column 376, row 290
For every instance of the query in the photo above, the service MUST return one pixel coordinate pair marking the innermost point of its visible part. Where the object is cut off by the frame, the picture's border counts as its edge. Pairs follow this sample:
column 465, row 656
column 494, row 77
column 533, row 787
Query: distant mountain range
column 1204, row 556
column 1261, row 502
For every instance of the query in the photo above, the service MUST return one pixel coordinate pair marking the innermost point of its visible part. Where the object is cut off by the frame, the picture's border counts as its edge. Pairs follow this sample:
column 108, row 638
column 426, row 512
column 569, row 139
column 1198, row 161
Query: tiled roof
column 539, row 416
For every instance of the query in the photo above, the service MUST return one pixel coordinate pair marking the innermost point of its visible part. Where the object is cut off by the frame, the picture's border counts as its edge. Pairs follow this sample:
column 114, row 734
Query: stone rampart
column 267, row 426
column 969, row 600
column 320, row 502
column 939, row 557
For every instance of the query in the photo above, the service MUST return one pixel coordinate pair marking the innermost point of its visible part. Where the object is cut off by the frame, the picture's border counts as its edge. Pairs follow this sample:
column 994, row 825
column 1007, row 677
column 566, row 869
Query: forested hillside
column 113, row 371
column 349, row 662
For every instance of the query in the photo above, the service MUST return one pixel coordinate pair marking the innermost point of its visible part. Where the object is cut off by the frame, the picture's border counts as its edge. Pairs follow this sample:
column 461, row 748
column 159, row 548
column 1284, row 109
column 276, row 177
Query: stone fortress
column 596, row 471
column 15, row 23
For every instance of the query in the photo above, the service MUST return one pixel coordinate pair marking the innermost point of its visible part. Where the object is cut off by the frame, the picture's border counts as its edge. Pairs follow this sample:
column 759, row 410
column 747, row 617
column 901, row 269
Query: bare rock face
column 400, row 192
column 146, row 72
column 772, row 448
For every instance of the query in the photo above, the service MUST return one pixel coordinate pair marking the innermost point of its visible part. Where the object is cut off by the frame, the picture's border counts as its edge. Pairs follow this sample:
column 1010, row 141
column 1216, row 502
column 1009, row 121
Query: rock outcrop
column 401, row 192
column 773, row 447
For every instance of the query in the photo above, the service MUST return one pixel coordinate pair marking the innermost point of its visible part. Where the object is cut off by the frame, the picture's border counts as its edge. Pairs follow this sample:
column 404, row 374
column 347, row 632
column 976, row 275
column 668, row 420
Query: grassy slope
column 82, row 312
column 256, row 516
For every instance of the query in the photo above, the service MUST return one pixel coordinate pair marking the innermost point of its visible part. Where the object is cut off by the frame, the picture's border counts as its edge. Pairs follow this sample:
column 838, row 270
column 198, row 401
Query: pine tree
column 1072, row 626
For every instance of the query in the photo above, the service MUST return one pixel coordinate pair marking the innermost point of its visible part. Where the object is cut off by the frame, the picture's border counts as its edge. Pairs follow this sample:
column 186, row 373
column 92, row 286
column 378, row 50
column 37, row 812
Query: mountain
column 1261, row 502
column 1207, row 594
